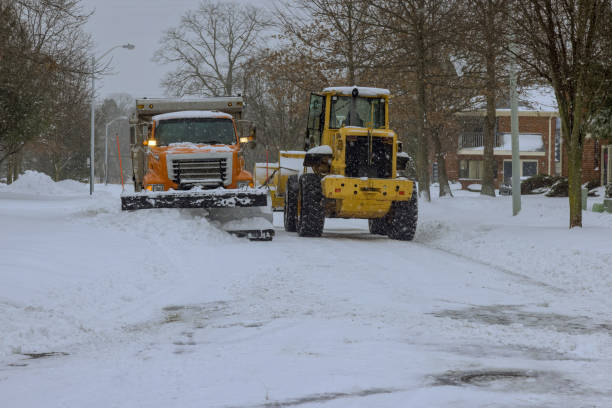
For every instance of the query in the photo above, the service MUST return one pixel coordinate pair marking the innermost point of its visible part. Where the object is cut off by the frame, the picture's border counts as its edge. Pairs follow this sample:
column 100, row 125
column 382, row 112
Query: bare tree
column 568, row 43
column 416, row 30
column 40, row 40
column 482, row 38
column 332, row 34
column 209, row 48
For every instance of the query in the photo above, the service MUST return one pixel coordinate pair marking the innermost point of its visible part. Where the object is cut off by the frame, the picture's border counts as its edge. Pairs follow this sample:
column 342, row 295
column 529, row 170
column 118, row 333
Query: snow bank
column 35, row 183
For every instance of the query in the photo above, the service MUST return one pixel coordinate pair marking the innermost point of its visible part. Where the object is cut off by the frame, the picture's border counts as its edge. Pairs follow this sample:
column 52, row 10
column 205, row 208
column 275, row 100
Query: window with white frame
column 529, row 168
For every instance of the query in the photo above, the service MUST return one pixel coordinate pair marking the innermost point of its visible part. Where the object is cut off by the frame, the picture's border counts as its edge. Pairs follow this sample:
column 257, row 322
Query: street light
column 106, row 147
column 93, row 111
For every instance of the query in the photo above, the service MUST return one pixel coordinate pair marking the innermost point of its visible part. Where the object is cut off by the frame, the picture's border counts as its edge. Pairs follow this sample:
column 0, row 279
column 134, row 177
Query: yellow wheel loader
column 351, row 164
column 188, row 154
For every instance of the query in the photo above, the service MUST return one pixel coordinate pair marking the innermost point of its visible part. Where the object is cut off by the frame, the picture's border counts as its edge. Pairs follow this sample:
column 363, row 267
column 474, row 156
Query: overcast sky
column 139, row 22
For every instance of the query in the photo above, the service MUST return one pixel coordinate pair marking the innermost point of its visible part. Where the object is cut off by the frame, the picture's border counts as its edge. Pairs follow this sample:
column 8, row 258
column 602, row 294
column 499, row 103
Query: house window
column 474, row 169
column 529, row 168
column 470, row 169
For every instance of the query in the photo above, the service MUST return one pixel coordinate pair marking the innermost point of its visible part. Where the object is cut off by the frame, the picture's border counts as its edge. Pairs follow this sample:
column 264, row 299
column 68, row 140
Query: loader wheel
column 403, row 219
column 378, row 226
column 311, row 215
column 290, row 208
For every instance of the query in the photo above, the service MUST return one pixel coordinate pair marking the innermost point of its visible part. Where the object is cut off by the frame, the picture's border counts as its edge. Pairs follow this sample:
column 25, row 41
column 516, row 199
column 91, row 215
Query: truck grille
column 187, row 170
column 361, row 161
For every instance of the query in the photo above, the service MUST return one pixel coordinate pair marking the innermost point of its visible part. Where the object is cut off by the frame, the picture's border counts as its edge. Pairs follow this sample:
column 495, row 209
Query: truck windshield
column 195, row 130
column 365, row 112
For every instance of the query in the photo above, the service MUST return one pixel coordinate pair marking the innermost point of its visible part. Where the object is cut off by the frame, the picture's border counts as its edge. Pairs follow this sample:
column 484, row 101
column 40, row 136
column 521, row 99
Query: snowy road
column 158, row 308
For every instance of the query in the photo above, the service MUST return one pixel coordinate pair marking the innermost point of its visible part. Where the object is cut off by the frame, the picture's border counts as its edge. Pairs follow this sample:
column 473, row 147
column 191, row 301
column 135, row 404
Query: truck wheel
column 290, row 208
column 403, row 219
column 311, row 215
column 378, row 226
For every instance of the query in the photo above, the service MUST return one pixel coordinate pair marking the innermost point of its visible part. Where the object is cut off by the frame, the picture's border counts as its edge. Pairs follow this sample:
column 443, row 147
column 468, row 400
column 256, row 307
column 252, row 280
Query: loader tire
column 378, row 226
column 311, row 214
column 290, row 208
column 403, row 219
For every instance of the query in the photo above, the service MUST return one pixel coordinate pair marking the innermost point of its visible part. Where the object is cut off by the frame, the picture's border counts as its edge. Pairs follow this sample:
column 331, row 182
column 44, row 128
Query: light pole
column 106, row 148
column 93, row 111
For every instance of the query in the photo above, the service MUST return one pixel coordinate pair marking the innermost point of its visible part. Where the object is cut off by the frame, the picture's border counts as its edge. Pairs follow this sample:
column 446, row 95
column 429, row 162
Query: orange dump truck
column 188, row 154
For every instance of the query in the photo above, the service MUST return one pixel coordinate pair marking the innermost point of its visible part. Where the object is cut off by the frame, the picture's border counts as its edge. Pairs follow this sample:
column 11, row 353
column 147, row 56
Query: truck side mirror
column 247, row 132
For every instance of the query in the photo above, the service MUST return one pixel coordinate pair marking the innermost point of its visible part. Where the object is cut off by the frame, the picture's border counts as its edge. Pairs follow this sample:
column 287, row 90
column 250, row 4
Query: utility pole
column 93, row 129
column 514, row 124
column 93, row 112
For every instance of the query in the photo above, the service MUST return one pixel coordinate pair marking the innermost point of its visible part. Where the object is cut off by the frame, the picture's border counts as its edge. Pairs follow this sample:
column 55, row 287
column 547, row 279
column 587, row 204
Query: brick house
column 540, row 144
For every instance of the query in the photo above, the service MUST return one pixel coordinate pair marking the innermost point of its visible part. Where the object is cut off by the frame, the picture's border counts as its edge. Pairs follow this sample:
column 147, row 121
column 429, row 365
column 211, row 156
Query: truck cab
column 180, row 145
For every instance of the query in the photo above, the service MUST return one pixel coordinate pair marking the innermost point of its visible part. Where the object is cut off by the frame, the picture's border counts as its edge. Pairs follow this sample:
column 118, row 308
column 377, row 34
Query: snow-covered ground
column 157, row 308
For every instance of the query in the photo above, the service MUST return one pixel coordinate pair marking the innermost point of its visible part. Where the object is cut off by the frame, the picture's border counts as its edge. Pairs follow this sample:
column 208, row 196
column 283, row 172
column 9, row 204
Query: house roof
column 537, row 101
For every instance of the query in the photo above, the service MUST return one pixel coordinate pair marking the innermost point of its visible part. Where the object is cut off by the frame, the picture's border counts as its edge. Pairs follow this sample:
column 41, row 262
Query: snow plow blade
column 195, row 199
column 244, row 213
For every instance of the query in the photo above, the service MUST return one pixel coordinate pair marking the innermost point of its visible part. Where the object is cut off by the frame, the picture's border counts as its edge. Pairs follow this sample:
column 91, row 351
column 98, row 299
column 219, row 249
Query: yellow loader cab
column 351, row 167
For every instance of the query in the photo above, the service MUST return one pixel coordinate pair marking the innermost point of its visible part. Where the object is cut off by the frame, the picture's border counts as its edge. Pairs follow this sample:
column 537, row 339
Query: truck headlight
column 243, row 184
column 157, row 187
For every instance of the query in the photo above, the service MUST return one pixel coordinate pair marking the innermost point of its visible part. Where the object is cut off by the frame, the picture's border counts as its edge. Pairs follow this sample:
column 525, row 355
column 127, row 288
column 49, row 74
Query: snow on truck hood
column 190, row 147
column 192, row 114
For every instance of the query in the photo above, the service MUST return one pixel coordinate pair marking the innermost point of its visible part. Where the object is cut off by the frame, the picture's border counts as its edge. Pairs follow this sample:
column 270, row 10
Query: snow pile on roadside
column 536, row 244
column 33, row 182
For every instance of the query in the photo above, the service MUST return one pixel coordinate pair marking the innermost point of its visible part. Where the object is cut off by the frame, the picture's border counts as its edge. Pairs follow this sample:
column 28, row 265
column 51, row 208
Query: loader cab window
column 195, row 130
column 316, row 120
column 358, row 111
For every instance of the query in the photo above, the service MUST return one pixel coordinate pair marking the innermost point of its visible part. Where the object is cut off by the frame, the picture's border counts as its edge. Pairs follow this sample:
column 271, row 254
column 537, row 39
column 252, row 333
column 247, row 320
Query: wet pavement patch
column 511, row 380
column 321, row 398
column 481, row 377
column 197, row 313
column 510, row 351
column 513, row 314
column 33, row 356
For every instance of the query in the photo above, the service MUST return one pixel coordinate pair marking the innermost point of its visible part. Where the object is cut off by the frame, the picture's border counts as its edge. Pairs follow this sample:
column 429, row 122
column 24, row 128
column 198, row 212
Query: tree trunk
column 574, row 167
column 441, row 160
column 17, row 160
column 9, row 169
column 487, row 179
column 422, row 143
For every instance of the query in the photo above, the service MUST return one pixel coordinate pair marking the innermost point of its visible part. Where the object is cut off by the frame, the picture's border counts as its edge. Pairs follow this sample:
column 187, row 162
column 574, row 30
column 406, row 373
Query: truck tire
column 311, row 214
column 290, row 208
column 403, row 219
column 378, row 226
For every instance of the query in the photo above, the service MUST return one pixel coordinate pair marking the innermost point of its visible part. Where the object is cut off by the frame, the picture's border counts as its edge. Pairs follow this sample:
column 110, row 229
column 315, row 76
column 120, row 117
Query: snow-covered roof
column 192, row 114
column 528, row 142
column 537, row 99
column 363, row 91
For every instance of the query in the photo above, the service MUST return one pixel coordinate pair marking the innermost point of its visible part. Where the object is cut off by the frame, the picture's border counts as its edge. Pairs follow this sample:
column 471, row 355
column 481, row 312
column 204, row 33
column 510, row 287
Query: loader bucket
column 243, row 212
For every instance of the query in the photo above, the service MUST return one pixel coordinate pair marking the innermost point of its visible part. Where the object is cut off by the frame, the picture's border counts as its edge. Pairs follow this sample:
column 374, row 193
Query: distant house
column 540, row 146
